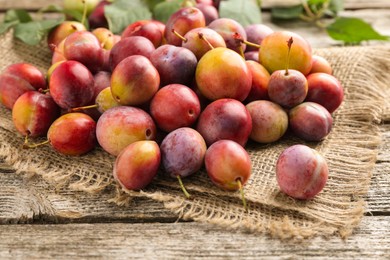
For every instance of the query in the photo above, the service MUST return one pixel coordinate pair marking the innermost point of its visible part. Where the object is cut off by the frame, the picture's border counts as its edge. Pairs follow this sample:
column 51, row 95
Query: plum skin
column 73, row 134
column 225, row 119
column 122, row 125
column 273, row 52
column 71, row 85
column 310, row 121
column 175, row 106
column 183, row 151
column 301, row 172
column 325, row 90
column 227, row 162
column 137, row 164
column 33, row 113
column 223, row 73
column 134, row 80
column 269, row 121
column 287, row 90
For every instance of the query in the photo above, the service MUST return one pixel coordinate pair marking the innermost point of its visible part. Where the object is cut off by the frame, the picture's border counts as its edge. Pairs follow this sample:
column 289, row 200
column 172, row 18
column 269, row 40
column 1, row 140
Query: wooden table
column 42, row 222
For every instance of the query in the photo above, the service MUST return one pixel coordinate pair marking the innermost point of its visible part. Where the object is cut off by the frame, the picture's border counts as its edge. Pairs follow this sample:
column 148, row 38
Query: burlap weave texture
column 350, row 151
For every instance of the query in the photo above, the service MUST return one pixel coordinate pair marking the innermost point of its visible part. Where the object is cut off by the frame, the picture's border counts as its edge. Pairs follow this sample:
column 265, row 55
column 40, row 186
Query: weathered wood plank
column 183, row 240
column 27, row 200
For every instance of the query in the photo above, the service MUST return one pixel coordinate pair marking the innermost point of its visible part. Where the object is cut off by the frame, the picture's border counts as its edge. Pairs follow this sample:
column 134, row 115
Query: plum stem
column 182, row 187
column 242, row 195
column 289, row 44
column 84, row 12
column 44, row 91
column 201, row 36
column 82, row 108
column 179, row 35
column 239, row 38
column 27, row 145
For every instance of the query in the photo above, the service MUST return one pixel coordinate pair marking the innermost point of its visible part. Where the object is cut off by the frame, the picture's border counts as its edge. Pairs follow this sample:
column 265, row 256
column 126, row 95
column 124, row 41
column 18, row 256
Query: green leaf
column 4, row 27
column 291, row 12
column 13, row 17
column 164, row 10
column 33, row 32
column 245, row 12
column 152, row 3
column 353, row 30
column 121, row 13
column 17, row 15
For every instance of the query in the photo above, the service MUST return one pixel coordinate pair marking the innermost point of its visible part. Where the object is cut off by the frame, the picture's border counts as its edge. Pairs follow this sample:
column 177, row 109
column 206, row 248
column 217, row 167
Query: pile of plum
column 179, row 96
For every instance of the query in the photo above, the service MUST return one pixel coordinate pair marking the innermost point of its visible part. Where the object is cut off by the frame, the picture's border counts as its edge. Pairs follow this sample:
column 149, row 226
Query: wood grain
column 182, row 240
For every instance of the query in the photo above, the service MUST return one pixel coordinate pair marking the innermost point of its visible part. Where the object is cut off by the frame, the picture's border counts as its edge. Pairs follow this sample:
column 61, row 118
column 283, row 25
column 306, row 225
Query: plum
column 269, row 121
column 137, row 165
column 28, row 72
column 73, row 134
column 225, row 119
column 197, row 40
column 301, row 172
column 252, row 55
column 209, row 11
column 174, row 64
column 182, row 21
column 310, row 121
column 287, row 89
column 320, row 64
column 84, row 47
column 134, row 81
column 146, row 28
column 105, row 100
column 11, row 88
column 229, row 166
column 60, row 32
column 226, row 163
column 223, row 73
column 325, row 90
column 105, row 37
column 97, row 18
column 183, row 151
column 102, row 80
column 255, row 34
column 228, row 29
column 273, row 52
column 58, row 53
column 122, row 125
column 175, row 106
column 135, row 45
column 33, row 113
column 71, row 85
column 260, row 79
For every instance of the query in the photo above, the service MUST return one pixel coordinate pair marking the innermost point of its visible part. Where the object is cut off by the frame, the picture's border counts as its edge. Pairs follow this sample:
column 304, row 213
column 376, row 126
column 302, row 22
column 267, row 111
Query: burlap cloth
column 350, row 151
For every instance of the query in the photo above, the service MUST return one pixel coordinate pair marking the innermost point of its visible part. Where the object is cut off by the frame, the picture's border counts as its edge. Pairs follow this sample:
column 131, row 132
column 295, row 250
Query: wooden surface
column 40, row 221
